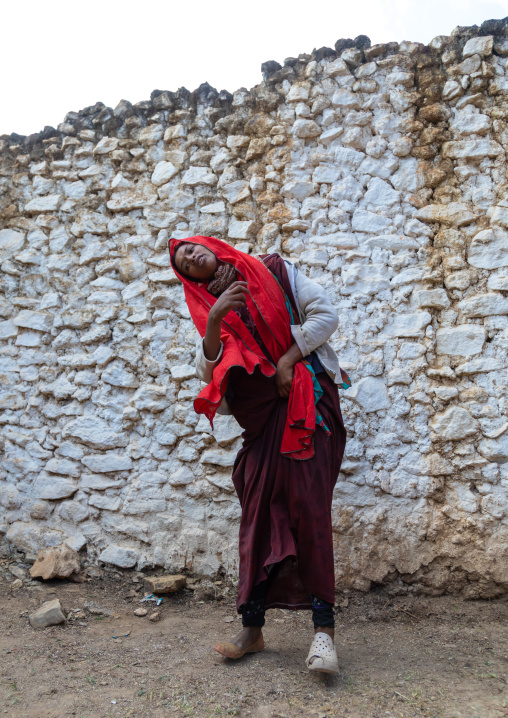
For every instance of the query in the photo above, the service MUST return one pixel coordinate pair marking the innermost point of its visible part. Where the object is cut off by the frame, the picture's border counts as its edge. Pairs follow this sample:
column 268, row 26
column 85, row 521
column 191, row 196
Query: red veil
column 267, row 306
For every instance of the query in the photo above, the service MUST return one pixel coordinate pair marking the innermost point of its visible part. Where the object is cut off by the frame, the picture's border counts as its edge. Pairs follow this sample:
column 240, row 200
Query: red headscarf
column 267, row 306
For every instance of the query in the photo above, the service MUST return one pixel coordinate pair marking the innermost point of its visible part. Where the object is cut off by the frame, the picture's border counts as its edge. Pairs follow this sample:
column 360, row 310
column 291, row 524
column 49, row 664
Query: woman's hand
column 284, row 377
column 231, row 298
column 285, row 371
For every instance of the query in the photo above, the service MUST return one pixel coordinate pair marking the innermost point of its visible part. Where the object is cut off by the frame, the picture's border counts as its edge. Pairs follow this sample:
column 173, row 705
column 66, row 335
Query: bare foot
column 247, row 637
column 248, row 640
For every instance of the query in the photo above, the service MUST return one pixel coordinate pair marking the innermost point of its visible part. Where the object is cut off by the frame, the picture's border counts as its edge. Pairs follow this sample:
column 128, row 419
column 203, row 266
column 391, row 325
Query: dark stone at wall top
column 322, row 53
column 494, row 27
column 269, row 68
column 344, row 44
column 362, row 42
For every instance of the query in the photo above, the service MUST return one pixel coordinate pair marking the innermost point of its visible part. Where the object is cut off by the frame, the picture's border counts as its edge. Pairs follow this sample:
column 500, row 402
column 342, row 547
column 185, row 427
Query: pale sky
column 57, row 56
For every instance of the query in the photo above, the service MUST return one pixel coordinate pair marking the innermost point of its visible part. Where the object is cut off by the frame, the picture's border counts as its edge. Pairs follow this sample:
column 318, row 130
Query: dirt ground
column 400, row 657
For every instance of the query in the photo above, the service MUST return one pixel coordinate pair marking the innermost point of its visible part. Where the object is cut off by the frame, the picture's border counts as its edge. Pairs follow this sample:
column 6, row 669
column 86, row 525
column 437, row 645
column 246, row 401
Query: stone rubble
column 49, row 614
column 381, row 170
column 59, row 562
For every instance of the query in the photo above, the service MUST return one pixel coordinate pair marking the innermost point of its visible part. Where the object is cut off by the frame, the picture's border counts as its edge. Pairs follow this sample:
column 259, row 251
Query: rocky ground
column 400, row 657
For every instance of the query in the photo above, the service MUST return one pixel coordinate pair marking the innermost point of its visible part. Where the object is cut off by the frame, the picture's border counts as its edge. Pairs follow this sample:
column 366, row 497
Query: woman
column 263, row 354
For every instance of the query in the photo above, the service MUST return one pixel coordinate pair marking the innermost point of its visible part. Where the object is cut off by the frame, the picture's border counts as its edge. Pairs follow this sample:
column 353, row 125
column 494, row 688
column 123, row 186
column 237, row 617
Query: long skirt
column 286, row 527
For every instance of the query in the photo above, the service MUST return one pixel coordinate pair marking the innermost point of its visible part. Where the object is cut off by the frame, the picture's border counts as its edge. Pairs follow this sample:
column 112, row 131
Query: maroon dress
column 286, row 527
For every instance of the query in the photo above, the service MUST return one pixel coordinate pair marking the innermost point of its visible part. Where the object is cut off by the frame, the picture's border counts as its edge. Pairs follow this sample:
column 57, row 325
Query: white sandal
column 323, row 652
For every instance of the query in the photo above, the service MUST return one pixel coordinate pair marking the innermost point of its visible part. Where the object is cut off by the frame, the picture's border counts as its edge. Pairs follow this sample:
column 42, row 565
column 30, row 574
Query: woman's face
column 195, row 261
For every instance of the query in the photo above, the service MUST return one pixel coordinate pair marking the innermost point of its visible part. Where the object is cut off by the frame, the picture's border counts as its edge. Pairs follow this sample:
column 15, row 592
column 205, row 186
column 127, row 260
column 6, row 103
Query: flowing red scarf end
column 297, row 440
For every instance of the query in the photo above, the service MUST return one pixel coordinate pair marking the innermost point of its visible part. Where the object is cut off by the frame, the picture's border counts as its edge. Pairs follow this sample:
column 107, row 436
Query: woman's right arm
column 210, row 352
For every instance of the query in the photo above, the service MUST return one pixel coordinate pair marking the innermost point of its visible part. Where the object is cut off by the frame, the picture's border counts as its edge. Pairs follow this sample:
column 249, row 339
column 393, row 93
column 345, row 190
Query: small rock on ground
column 49, row 614
column 165, row 584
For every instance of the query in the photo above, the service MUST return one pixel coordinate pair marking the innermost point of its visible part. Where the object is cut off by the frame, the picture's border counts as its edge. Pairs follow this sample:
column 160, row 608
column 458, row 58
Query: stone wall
column 382, row 171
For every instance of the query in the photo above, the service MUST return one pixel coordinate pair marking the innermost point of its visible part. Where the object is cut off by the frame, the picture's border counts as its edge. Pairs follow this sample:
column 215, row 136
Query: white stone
column 315, row 257
column 495, row 449
column 97, row 482
column 108, row 503
column 398, row 376
column 408, row 325
column 95, row 432
column 64, row 467
column 453, row 424
column 306, row 129
column 219, row 457
column 236, row 191
column 152, row 478
column 408, row 178
column 105, row 463
column 489, row 249
column 349, row 157
column 183, row 371
column 175, row 132
column 40, row 321
column 383, row 168
column 469, row 123
column 452, row 89
column 380, row 193
column 298, row 92
column 199, row 175
column 106, row 145
column 163, row 172
column 181, row 477
column 89, row 222
column 495, row 281
column 93, row 252
column 118, row 375
column 364, row 221
column 463, row 340
column 241, row 230
column 364, row 279
column 478, row 46
column 166, row 277
column 226, row 429
column 299, row 189
column 29, row 339
column 8, row 329
column 330, row 135
column 324, row 174
column 103, row 298
column 392, row 242
column 221, row 160
column 347, row 100
column 49, row 203
column 11, row 240
column 150, row 397
column 499, row 215
column 135, row 289
column 53, row 487
column 370, row 393
column 483, row 305
column 337, row 68
column 213, row 208
column 483, row 364
column 432, row 298
column 143, row 195
column 472, row 149
column 120, row 555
